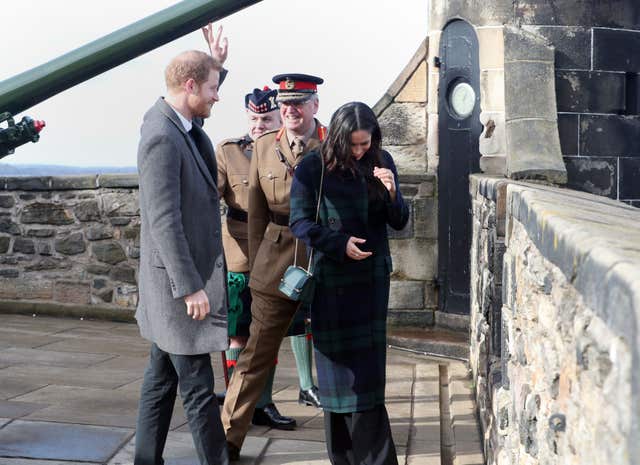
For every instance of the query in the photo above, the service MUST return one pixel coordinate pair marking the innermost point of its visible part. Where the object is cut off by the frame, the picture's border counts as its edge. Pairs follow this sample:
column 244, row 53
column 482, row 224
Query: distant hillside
column 61, row 170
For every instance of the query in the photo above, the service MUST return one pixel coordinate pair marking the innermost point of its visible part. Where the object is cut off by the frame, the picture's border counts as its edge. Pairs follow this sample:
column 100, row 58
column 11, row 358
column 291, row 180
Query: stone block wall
column 597, row 86
column 555, row 340
column 413, row 298
column 594, row 68
column 402, row 113
column 68, row 244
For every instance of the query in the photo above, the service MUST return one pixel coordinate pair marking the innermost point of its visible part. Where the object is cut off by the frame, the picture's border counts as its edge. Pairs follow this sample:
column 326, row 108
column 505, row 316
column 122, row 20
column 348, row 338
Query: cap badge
column 290, row 84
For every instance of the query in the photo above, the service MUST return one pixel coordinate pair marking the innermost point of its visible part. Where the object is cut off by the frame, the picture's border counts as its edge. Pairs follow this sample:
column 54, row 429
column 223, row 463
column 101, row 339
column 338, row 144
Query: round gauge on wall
column 462, row 100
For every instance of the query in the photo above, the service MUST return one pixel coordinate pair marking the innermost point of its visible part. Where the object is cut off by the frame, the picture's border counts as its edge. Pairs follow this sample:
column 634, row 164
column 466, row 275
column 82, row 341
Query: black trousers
column 360, row 438
column 162, row 378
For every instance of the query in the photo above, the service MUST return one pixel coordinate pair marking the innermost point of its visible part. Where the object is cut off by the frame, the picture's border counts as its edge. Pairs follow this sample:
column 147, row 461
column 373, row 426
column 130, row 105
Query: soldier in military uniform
column 271, row 246
column 234, row 158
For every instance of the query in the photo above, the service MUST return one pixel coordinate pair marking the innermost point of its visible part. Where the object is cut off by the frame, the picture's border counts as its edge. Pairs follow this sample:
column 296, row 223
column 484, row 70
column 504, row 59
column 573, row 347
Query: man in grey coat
column 182, row 308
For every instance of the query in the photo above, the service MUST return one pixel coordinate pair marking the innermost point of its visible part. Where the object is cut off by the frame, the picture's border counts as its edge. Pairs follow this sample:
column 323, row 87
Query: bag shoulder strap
column 295, row 253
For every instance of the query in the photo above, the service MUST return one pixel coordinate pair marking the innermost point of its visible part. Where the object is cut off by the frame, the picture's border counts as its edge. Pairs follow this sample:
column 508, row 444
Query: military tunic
column 271, row 244
column 271, row 251
column 233, row 158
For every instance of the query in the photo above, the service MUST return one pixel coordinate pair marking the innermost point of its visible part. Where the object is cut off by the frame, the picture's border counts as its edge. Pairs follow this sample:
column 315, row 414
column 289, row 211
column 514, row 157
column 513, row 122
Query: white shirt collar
column 185, row 122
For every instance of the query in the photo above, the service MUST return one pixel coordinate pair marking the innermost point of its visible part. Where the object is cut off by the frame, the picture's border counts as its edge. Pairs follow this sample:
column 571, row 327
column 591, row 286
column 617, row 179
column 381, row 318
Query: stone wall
column 592, row 80
column 402, row 112
column 555, row 317
column 70, row 245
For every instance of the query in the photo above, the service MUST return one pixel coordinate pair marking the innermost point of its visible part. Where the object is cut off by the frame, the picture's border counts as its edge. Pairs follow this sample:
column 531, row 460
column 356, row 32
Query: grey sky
column 357, row 46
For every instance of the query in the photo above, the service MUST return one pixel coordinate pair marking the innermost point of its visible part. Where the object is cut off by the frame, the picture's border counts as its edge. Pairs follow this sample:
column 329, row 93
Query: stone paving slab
column 47, row 325
column 290, row 452
column 9, row 461
column 299, row 434
column 99, row 346
column 26, row 340
column 16, row 409
column 91, row 377
column 65, row 382
column 12, row 385
column 16, row 355
column 53, row 441
column 107, row 333
column 468, row 447
column 122, row 362
column 179, row 451
column 471, row 458
column 105, row 407
column 89, row 398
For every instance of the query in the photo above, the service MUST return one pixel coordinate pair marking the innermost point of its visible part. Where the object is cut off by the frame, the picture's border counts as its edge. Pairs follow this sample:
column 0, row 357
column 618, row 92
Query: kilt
column 239, row 321
column 240, row 318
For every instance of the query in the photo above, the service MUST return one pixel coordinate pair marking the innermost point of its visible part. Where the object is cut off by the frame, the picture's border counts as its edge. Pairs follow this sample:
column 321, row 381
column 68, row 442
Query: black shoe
column 310, row 397
column 233, row 451
column 269, row 416
column 220, row 396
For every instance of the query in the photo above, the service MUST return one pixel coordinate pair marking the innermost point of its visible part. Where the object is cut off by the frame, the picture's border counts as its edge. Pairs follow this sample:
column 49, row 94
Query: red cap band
column 288, row 84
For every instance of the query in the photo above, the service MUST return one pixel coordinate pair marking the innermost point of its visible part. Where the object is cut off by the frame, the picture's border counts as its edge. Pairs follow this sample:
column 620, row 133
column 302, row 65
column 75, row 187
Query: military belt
column 237, row 214
column 280, row 220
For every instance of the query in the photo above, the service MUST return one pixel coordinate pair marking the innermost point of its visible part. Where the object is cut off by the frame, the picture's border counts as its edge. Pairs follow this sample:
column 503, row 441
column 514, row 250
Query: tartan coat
column 349, row 309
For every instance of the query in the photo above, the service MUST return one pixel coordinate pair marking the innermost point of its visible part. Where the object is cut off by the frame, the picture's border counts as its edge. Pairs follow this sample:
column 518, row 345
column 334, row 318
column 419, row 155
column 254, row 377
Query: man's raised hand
column 218, row 46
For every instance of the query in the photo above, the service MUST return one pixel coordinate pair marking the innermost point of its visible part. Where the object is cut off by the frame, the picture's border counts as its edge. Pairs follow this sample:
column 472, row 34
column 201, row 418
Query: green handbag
column 297, row 283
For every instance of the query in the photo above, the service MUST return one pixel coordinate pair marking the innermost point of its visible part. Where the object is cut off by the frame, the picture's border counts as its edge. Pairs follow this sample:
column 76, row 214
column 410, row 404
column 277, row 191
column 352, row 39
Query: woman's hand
column 388, row 179
column 218, row 52
column 353, row 252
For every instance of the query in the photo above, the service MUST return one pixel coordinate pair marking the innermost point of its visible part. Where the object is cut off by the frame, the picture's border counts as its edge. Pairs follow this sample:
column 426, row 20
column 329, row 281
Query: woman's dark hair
column 336, row 149
column 350, row 117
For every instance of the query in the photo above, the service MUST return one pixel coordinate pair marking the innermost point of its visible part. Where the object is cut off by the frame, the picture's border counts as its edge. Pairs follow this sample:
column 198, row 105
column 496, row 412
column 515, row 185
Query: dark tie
column 197, row 140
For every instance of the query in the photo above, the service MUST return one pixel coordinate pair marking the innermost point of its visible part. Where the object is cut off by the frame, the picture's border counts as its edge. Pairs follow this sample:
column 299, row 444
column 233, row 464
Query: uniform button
column 219, row 264
column 270, row 176
column 245, row 182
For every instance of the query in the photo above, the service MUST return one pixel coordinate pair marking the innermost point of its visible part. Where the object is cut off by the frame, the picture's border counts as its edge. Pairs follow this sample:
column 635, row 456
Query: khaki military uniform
column 271, row 251
column 234, row 159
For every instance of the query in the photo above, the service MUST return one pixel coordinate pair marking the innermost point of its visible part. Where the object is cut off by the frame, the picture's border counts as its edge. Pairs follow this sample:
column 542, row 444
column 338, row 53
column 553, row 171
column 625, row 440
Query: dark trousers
column 360, row 438
column 162, row 378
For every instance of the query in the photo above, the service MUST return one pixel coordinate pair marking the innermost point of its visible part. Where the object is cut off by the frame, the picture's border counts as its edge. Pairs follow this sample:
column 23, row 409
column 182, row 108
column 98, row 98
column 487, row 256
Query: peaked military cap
column 296, row 87
column 261, row 101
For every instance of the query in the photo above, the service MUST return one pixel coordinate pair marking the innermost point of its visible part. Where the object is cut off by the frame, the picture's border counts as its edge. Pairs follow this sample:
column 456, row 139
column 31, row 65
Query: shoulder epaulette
column 234, row 140
column 268, row 132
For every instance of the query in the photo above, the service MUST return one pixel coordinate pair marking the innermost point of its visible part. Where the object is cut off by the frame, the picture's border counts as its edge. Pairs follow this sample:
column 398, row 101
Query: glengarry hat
column 261, row 101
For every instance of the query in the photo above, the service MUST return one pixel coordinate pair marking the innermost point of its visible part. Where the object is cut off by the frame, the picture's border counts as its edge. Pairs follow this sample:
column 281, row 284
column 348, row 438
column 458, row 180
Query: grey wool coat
column 180, row 237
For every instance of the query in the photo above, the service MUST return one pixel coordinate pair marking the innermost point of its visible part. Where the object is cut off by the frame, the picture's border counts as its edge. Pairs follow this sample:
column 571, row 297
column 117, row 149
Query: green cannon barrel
column 38, row 84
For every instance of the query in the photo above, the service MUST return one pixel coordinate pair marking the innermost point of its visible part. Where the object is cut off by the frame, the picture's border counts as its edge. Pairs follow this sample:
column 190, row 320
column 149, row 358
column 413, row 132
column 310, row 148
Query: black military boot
column 310, row 397
column 269, row 416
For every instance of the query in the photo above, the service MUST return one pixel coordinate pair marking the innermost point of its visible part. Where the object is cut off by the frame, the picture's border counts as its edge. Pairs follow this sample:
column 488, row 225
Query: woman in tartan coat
column 352, row 264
